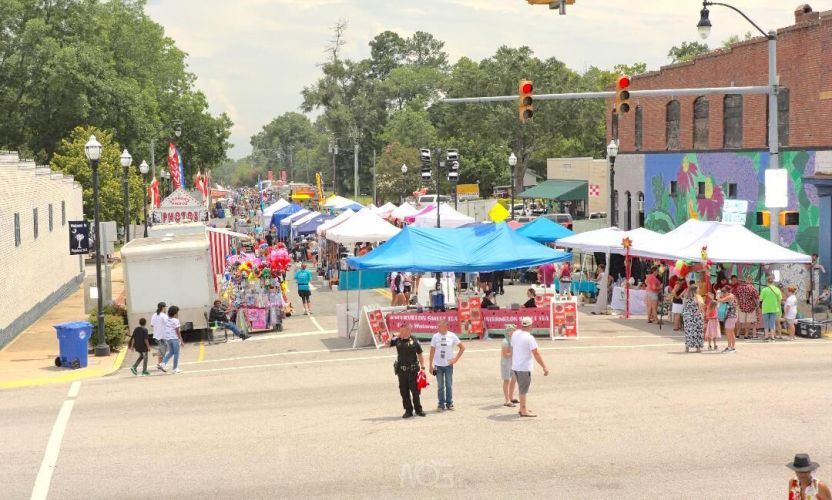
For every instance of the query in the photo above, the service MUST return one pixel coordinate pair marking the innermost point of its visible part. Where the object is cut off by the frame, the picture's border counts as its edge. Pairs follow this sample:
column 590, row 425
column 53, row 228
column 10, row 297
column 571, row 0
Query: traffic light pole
column 756, row 89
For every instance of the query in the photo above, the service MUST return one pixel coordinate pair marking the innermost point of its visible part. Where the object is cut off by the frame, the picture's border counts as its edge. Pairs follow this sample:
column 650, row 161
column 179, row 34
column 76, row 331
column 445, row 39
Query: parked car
column 429, row 199
column 598, row 215
column 564, row 220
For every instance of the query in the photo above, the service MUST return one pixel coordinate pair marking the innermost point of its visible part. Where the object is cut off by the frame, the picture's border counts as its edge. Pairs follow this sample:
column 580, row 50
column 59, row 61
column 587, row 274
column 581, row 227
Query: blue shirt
column 303, row 277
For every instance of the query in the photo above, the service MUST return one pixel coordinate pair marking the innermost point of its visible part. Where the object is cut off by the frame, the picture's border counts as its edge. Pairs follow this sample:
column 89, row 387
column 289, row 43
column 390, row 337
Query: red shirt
column 653, row 283
column 547, row 273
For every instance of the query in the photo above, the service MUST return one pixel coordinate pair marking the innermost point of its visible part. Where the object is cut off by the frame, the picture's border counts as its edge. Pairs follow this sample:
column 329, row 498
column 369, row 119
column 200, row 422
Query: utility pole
column 355, row 170
column 437, row 152
column 375, row 199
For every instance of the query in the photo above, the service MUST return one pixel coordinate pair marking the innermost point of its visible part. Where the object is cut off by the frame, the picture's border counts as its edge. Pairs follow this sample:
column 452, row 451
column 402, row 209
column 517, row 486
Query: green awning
column 560, row 190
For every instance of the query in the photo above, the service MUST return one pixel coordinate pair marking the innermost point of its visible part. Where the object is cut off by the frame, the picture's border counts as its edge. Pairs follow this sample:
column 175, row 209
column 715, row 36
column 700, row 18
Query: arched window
column 700, row 123
column 640, row 209
column 671, row 121
column 639, row 132
column 629, row 215
column 732, row 121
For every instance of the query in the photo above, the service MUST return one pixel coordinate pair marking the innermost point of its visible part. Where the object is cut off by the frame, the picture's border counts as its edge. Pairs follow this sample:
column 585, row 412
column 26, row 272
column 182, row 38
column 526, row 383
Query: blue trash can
column 221, row 213
column 73, row 341
column 437, row 300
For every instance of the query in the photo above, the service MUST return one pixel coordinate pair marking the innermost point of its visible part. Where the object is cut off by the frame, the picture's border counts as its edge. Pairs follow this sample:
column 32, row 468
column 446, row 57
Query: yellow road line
column 201, row 356
column 384, row 292
column 69, row 376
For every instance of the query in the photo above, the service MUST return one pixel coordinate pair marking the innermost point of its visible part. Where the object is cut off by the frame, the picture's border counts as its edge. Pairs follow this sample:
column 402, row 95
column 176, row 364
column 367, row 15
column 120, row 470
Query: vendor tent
column 607, row 239
column 544, row 230
column 385, row 210
column 560, row 190
column 363, row 226
column 322, row 229
column 448, row 217
column 302, row 220
column 339, row 203
column 274, row 207
column 311, row 225
column 283, row 229
column 284, row 212
column 725, row 242
column 489, row 247
column 403, row 211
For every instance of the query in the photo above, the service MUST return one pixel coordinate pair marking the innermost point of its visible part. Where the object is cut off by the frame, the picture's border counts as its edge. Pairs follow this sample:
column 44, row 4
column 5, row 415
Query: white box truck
column 171, row 269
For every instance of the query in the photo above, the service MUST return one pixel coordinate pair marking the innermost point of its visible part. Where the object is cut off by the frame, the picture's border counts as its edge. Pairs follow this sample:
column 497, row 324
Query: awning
column 560, row 190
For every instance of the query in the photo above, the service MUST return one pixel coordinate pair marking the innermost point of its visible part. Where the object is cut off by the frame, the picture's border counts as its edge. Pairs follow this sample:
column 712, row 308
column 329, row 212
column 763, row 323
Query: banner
column 423, row 322
column 175, row 167
column 378, row 327
column 564, row 318
column 484, row 319
column 180, row 206
column 271, row 175
column 319, row 186
column 79, row 237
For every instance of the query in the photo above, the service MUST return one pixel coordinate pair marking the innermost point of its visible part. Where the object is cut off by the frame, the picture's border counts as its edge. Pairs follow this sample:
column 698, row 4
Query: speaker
column 808, row 329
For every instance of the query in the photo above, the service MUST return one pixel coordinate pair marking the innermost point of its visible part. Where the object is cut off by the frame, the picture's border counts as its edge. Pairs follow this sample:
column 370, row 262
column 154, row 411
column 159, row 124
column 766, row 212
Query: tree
column 71, row 159
column 283, row 138
column 735, row 39
column 687, row 51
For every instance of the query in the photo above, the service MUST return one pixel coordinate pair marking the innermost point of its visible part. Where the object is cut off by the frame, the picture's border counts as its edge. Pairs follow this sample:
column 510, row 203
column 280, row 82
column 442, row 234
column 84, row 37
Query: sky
column 252, row 58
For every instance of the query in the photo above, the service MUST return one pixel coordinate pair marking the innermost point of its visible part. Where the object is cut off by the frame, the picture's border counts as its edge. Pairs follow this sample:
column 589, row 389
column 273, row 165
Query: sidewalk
column 29, row 359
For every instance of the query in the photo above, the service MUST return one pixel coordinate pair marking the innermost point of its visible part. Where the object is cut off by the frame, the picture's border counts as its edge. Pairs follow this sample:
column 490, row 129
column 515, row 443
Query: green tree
column 687, row 51
column 285, row 142
column 735, row 39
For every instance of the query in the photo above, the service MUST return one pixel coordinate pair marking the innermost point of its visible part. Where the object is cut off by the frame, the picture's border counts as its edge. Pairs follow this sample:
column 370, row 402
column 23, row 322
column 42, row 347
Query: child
column 140, row 342
column 791, row 310
column 712, row 331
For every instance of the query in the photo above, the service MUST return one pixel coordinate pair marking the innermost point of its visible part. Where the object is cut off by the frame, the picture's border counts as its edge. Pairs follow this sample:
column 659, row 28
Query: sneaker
column 133, row 370
column 161, row 367
column 421, row 413
column 451, row 408
column 177, row 371
column 407, row 414
column 440, row 408
column 145, row 374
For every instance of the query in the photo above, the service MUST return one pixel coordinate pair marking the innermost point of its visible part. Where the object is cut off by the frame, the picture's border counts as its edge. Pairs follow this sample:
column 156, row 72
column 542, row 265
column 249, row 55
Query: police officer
column 409, row 362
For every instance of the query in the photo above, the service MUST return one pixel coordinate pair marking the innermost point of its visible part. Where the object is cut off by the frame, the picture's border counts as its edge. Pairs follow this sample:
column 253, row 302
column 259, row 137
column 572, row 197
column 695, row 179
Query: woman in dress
column 694, row 318
column 730, row 317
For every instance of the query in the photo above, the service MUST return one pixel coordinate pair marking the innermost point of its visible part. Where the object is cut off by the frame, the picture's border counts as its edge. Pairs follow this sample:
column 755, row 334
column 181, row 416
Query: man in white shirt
column 523, row 349
column 159, row 324
column 442, row 361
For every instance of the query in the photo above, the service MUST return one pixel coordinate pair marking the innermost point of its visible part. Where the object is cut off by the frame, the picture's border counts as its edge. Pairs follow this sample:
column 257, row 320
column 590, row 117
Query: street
column 624, row 414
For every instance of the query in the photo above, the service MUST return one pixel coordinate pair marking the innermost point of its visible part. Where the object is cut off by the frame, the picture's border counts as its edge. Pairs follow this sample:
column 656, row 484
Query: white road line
column 278, row 336
column 53, row 447
column 317, row 325
column 274, row 354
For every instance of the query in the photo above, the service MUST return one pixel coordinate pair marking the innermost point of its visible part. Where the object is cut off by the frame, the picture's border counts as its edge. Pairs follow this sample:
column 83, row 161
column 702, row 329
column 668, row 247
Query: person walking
column 140, row 342
column 747, row 304
column 770, row 297
column 409, row 361
column 509, row 380
column 303, row 278
column 654, row 286
column 728, row 298
column 442, row 361
column 790, row 312
column 804, row 486
column 678, row 287
column 174, row 340
column 693, row 316
column 712, row 330
column 523, row 351
column 159, row 324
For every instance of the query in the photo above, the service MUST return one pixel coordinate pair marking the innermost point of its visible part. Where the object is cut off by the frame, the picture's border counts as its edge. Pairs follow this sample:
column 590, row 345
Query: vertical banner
column 79, row 237
column 283, row 176
column 174, row 166
column 378, row 326
column 271, row 175
column 463, row 308
column 475, row 316
column 564, row 318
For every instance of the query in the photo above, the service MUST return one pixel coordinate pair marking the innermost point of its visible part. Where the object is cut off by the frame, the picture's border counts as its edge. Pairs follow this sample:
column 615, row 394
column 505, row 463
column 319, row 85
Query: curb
column 72, row 376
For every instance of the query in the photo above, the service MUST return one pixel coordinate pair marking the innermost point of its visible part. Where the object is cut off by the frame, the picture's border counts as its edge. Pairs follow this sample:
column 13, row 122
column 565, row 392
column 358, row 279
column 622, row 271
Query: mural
column 718, row 172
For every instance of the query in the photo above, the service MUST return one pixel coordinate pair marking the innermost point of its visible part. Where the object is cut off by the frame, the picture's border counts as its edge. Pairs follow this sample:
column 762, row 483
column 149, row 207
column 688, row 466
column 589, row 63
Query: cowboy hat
column 802, row 463
column 526, row 321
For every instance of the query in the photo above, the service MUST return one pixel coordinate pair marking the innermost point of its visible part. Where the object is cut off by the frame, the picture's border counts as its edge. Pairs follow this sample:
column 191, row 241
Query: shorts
column 407, row 289
column 730, row 323
column 505, row 370
column 769, row 321
column 652, row 296
column 524, row 380
column 747, row 317
column 676, row 308
column 304, row 295
column 791, row 321
column 162, row 347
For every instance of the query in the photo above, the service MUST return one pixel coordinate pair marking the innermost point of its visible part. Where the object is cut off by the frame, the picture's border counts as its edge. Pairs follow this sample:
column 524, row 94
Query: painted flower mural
column 710, row 205
column 686, row 174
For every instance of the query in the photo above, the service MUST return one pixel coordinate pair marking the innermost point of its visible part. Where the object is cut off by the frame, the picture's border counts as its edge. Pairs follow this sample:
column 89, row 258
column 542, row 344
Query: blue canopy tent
column 489, row 247
column 311, row 225
column 544, row 230
column 355, row 207
column 285, row 225
column 283, row 213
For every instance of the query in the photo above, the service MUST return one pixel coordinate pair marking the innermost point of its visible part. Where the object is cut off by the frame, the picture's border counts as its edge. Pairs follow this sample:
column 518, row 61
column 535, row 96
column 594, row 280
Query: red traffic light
column 623, row 81
column 526, row 88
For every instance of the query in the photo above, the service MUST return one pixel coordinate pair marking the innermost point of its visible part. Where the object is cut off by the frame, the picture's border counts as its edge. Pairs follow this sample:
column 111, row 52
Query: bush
column 116, row 310
column 114, row 330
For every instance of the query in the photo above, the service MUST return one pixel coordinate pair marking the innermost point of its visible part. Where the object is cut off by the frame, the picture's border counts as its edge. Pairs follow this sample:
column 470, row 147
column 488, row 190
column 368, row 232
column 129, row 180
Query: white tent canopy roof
column 305, row 218
column 323, row 228
column 295, row 216
column 274, row 207
column 607, row 239
column 363, row 226
column 405, row 210
column 338, row 202
column 725, row 243
column 448, row 217
column 385, row 210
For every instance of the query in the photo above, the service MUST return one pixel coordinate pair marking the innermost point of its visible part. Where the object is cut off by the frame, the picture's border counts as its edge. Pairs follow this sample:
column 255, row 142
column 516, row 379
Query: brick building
column 683, row 156
column 36, row 270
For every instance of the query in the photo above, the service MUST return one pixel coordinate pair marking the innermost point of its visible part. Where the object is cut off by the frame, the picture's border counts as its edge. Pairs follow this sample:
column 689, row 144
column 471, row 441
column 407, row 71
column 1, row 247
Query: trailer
column 175, row 269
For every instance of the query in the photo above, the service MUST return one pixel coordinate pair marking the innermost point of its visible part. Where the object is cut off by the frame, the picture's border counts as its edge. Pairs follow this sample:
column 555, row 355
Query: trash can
column 73, row 339
column 221, row 213
column 437, row 300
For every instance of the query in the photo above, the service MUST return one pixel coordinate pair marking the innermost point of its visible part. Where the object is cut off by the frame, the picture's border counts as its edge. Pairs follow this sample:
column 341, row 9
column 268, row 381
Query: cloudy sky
column 253, row 57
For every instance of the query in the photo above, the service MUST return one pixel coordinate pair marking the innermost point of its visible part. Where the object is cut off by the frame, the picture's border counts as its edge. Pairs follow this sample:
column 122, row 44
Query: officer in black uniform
column 409, row 362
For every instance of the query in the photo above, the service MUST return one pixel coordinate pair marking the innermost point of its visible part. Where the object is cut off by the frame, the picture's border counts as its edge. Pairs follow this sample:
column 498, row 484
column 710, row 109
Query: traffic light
column 452, row 160
column 764, row 218
column 525, row 103
column 789, row 218
column 622, row 95
column 424, row 157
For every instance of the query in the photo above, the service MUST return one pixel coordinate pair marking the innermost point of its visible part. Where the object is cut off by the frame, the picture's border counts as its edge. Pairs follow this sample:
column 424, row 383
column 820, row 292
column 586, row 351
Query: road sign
column 79, row 237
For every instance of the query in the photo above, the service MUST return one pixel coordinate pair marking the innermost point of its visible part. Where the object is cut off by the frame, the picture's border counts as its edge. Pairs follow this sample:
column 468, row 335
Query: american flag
column 594, row 190
column 220, row 246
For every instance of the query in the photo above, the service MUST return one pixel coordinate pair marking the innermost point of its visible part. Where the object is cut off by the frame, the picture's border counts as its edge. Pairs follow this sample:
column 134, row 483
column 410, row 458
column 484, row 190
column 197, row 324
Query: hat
column 526, row 321
column 802, row 463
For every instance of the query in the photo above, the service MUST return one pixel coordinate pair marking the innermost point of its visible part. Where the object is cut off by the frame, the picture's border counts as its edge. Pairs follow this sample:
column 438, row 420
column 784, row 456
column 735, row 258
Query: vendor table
column 638, row 302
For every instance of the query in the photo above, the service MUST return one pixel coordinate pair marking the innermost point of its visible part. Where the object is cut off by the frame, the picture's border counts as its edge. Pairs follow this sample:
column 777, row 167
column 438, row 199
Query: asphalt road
column 624, row 414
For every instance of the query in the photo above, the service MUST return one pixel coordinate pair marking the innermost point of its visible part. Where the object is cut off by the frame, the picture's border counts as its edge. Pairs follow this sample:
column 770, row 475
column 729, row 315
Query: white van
column 430, row 199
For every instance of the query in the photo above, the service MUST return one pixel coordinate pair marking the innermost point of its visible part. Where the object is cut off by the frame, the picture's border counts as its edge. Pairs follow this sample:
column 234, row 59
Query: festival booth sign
column 563, row 316
column 491, row 319
column 180, row 206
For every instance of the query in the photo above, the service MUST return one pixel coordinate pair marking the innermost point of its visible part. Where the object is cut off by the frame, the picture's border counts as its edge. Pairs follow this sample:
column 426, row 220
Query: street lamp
column 333, row 151
column 144, row 169
column 512, row 161
column 165, row 176
column 92, row 149
column 404, row 174
column 704, row 27
column 126, row 162
column 612, row 152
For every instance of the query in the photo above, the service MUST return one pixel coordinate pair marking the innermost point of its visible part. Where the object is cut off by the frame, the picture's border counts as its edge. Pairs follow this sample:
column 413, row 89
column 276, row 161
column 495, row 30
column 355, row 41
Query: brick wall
column 32, row 272
column 804, row 59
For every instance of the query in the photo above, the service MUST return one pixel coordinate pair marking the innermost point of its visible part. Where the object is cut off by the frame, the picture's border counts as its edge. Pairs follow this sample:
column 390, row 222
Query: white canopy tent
column 607, row 239
column 448, row 217
column 363, row 226
column 274, row 207
column 337, row 202
column 725, row 242
column 295, row 216
column 385, row 210
column 404, row 210
column 306, row 218
column 323, row 228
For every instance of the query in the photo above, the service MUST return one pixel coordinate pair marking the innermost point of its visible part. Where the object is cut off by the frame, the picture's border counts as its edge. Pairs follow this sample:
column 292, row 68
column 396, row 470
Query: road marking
column 277, row 336
column 53, row 447
column 201, row 355
column 384, row 292
column 317, row 325
column 286, row 353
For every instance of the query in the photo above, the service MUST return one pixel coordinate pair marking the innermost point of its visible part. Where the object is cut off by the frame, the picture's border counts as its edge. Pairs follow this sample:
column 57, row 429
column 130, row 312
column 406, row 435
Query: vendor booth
column 285, row 225
column 448, row 217
column 284, row 212
column 385, row 210
column 543, row 230
column 403, row 211
column 363, row 226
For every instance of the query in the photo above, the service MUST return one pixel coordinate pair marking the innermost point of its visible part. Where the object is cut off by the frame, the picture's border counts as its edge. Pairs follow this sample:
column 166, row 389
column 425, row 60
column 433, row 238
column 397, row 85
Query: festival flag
column 175, row 167
column 153, row 193
column 201, row 185
column 498, row 213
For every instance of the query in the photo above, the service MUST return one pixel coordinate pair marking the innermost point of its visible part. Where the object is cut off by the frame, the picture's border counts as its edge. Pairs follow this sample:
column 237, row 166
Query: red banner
column 487, row 319
column 378, row 327
column 271, row 175
column 564, row 319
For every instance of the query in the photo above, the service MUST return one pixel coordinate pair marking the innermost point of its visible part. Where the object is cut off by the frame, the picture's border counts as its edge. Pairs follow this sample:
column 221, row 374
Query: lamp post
column 333, row 151
column 612, row 152
column 512, row 162
column 126, row 161
column 404, row 174
column 92, row 149
column 704, row 27
column 165, row 177
column 144, row 169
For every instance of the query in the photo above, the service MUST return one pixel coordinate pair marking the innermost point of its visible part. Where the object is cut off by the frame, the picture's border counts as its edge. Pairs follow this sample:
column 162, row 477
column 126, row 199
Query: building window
column 700, row 189
column 674, row 188
column 614, row 124
column 629, row 198
column 638, row 129
column 35, row 221
column 671, row 120
column 640, row 209
column 17, row 230
column 732, row 121
column 732, row 191
column 63, row 213
column 700, row 123
column 50, row 217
